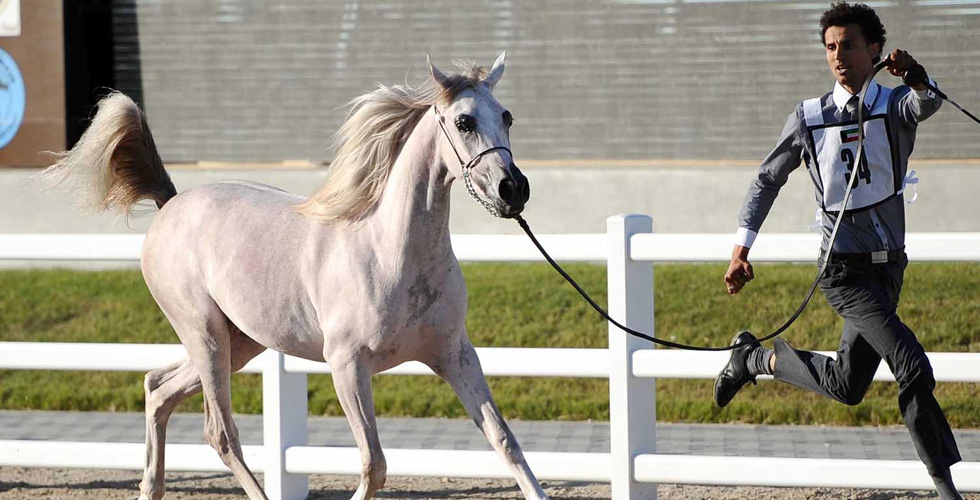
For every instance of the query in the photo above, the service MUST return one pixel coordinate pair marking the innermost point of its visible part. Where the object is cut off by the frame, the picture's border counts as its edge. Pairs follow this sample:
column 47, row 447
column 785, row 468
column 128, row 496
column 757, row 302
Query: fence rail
column 631, row 365
column 651, row 247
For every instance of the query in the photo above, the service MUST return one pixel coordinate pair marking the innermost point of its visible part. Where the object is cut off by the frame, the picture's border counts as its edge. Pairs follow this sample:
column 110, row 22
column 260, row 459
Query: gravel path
column 89, row 484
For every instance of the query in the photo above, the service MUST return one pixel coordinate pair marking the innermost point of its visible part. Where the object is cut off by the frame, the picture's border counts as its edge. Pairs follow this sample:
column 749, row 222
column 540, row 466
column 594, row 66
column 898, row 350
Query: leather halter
column 467, row 166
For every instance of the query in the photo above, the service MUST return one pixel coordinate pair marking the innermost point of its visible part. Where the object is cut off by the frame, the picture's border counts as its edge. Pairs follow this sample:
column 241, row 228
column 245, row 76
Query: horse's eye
column 465, row 123
column 508, row 118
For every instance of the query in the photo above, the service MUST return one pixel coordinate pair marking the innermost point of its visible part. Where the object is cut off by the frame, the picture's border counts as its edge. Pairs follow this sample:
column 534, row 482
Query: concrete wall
column 563, row 200
column 250, row 80
column 657, row 107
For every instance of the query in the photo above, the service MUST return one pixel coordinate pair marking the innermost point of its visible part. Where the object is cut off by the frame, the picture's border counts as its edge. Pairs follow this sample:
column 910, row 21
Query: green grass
column 517, row 305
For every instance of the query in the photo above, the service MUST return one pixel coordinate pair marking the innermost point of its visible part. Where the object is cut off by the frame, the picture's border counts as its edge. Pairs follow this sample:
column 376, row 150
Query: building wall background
column 656, row 108
column 39, row 54
column 256, row 80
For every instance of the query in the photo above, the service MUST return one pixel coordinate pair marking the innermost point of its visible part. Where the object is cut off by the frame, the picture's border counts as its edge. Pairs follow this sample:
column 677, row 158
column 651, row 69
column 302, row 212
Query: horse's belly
column 279, row 322
column 386, row 333
column 291, row 336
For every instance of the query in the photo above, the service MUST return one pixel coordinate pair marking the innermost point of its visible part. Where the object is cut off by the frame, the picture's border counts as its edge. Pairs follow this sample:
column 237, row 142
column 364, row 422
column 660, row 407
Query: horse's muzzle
column 514, row 190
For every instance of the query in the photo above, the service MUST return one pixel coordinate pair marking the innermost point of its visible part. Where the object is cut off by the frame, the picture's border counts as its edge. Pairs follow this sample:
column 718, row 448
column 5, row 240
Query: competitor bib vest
column 877, row 176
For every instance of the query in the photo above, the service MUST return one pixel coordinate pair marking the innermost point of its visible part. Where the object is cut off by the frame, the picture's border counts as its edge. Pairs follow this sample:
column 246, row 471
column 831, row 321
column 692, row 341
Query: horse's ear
column 496, row 71
column 441, row 80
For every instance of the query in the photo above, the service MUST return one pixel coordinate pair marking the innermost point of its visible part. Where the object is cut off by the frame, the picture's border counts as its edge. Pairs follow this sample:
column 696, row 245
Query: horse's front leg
column 352, row 381
column 459, row 365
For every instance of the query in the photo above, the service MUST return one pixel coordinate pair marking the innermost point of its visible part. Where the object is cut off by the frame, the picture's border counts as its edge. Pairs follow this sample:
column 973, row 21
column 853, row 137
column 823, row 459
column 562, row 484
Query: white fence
column 632, row 466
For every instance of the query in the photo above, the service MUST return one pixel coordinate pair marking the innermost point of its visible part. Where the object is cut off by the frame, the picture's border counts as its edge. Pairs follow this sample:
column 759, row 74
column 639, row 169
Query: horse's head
column 476, row 145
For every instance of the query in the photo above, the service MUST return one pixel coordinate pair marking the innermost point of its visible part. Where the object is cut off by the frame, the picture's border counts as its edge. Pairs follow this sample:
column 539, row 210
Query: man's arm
column 919, row 104
column 773, row 173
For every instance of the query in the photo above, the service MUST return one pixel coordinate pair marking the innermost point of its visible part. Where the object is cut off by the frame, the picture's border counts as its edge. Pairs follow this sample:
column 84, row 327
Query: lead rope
column 917, row 75
column 913, row 76
column 823, row 267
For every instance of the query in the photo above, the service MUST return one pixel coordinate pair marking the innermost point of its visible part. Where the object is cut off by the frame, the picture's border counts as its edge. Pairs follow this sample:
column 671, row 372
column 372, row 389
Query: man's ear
column 876, row 51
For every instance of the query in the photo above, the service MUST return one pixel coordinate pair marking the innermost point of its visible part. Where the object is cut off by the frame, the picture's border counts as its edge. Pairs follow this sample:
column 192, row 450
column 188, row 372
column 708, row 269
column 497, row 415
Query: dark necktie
column 850, row 109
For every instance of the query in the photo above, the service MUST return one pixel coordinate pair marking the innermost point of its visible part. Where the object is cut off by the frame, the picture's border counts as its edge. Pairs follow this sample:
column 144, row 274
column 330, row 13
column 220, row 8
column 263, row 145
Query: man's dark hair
column 842, row 14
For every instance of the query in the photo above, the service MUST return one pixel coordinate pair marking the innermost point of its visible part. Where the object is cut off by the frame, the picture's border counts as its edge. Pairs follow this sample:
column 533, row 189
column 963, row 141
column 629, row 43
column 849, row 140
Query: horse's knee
column 161, row 393
column 151, row 382
column 155, row 403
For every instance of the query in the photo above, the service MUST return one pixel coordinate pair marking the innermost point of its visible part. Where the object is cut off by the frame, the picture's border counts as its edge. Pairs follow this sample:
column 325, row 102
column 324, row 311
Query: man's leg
column 845, row 379
column 927, row 424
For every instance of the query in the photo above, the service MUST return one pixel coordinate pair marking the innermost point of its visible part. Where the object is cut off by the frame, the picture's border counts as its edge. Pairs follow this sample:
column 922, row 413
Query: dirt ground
column 88, row 484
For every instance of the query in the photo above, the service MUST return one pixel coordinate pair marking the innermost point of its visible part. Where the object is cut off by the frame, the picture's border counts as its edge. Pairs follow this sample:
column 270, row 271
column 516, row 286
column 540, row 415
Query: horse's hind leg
column 352, row 381
column 460, row 367
column 211, row 352
column 165, row 388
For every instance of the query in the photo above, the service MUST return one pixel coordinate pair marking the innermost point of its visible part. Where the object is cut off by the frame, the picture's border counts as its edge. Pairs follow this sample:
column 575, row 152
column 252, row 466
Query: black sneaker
column 735, row 374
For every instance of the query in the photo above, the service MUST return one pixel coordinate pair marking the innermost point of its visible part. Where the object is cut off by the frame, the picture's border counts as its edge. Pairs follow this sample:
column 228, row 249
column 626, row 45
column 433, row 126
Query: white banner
column 9, row 17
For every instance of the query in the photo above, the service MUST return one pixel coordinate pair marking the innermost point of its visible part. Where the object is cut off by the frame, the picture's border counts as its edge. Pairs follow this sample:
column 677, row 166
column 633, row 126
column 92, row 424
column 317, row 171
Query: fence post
column 284, row 408
column 632, row 400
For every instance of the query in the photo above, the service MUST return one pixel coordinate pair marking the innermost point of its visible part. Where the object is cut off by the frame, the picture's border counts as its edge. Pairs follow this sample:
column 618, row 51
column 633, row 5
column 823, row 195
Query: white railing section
column 632, row 466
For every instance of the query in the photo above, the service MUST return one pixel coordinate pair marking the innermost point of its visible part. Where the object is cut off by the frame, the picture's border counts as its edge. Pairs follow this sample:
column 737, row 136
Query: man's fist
column 902, row 62
column 739, row 270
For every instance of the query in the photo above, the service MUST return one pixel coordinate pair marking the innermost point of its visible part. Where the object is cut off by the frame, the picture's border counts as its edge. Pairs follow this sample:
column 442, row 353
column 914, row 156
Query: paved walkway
column 891, row 443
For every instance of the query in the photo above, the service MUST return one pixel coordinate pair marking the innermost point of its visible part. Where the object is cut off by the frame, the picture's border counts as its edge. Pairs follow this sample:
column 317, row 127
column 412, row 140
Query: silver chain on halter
column 467, row 166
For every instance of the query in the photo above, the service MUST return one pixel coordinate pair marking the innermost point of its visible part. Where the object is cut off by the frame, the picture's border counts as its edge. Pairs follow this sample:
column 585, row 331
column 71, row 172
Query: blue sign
column 12, row 98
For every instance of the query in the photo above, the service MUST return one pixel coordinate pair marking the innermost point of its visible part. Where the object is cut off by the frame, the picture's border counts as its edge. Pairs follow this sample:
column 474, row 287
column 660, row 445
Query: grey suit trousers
column 866, row 296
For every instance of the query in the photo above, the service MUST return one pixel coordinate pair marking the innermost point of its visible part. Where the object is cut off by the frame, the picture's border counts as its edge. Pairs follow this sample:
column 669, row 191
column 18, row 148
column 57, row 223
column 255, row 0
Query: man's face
column 849, row 55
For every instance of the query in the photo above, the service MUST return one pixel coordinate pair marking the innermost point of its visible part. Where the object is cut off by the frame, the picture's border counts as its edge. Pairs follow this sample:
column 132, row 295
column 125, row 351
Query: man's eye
column 465, row 123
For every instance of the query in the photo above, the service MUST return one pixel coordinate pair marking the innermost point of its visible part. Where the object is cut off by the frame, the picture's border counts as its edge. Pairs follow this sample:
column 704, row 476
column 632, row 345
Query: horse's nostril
column 507, row 190
column 523, row 187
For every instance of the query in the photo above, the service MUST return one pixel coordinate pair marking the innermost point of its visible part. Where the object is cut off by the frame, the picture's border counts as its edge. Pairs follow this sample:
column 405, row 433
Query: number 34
column 864, row 172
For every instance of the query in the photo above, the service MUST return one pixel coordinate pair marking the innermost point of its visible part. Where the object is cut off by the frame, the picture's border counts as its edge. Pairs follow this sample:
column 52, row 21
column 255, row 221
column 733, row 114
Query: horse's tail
column 115, row 164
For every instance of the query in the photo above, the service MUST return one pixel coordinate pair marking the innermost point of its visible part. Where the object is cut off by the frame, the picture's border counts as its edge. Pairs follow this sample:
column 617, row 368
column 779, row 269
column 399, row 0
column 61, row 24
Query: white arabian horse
column 360, row 275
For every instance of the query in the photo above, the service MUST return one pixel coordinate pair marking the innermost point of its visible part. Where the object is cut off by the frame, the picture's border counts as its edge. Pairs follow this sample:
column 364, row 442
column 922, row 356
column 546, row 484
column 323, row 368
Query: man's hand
column 739, row 270
column 902, row 62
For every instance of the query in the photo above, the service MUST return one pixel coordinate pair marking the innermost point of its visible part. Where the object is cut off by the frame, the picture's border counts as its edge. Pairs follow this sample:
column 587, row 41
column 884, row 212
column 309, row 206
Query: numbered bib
column 876, row 176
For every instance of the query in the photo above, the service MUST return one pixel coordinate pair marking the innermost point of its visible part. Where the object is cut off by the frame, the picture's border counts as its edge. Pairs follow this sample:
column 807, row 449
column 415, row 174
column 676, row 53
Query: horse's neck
column 414, row 208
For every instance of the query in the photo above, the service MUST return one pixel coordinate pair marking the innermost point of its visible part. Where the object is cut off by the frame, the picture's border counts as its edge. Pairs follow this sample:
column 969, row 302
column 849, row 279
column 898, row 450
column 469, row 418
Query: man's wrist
column 925, row 94
column 740, row 253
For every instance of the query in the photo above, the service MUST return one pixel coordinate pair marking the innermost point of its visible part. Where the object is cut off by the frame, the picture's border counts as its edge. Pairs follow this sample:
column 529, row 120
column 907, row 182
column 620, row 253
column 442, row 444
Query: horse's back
column 226, row 210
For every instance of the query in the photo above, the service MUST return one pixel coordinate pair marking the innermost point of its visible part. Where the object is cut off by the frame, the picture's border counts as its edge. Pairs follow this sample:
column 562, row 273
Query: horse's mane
column 367, row 144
